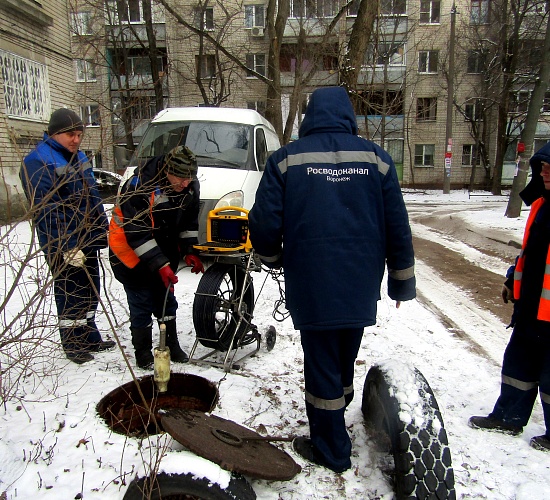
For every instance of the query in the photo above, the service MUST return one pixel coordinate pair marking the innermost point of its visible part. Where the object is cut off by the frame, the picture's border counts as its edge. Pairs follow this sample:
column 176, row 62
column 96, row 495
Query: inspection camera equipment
column 224, row 301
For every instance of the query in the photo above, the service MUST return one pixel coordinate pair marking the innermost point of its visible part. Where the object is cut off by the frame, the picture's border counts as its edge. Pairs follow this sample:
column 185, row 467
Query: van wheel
column 415, row 437
column 178, row 486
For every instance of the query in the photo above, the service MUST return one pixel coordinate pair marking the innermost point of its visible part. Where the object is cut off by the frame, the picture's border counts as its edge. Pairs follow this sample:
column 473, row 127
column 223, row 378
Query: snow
column 53, row 444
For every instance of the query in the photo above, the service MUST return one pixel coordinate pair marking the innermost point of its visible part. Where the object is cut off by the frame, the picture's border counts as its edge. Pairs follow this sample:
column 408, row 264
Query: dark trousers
column 329, row 362
column 145, row 302
column 76, row 302
column 525, row 372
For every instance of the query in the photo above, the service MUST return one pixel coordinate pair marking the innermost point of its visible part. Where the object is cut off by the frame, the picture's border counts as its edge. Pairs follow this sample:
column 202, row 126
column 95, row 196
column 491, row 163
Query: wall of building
column 37, row 31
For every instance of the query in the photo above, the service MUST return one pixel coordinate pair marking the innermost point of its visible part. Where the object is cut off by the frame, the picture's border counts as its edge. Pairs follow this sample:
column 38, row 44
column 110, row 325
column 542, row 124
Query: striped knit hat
column 181, row 162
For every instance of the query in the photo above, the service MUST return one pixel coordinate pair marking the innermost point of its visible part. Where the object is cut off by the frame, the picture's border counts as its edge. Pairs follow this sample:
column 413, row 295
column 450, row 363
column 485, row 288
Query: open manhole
column 125, row 412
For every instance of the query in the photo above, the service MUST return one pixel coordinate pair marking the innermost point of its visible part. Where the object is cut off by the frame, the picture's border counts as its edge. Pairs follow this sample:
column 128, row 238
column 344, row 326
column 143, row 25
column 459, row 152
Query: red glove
column 194, row 263
column 168, row 277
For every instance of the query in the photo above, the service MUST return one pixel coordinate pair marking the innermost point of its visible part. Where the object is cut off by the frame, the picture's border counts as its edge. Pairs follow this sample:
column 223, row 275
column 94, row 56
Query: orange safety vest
column 117, row 237
column 544, row 304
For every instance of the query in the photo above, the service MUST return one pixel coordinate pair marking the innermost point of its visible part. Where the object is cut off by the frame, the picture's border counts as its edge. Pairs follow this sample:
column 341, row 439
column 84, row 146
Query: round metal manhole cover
column 231, row 446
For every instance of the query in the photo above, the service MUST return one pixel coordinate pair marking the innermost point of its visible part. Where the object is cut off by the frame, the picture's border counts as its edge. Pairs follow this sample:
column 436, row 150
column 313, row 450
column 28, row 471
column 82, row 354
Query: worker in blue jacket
column 329, row 210
column 71, row 224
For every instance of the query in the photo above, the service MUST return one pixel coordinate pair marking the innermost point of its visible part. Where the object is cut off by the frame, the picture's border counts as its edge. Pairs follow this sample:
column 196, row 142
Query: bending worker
column 154, row 224
column 329, row 210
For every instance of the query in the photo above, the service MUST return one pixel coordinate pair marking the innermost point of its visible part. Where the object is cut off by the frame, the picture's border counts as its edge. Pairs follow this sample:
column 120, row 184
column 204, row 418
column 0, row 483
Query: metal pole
column 450, row 95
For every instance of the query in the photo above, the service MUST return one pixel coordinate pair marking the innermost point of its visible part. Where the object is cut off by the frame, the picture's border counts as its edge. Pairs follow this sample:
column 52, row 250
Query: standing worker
column 526, row 364
column 329, row 210
column 72, row 227
column 154, row 224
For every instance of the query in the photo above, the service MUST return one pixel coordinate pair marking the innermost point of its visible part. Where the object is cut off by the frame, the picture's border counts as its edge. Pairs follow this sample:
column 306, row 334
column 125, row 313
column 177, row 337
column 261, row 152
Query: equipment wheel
column 176, row 486
column 216, row 310
column 270, row 338
column 414, row 436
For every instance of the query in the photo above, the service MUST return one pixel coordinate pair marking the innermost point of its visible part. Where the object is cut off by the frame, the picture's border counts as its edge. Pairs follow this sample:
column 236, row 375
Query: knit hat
column 64, row 120
column 181, row 162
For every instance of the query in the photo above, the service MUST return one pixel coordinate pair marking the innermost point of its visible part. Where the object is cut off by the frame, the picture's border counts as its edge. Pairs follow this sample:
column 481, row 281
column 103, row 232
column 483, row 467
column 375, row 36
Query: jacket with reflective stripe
column 544, row 303
column 64, row 200
column 332, row 205
column 157, row 224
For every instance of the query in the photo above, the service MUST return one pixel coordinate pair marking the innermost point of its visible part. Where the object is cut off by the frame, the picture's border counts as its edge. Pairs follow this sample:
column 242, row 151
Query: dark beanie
column 181, row 162
column 64, row 120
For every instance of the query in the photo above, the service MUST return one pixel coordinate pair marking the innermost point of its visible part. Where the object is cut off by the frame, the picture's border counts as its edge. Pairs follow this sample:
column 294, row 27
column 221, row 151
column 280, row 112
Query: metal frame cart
column 223, row 308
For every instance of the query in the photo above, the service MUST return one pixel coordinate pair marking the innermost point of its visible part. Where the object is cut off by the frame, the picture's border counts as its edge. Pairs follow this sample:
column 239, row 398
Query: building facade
column 118, row 63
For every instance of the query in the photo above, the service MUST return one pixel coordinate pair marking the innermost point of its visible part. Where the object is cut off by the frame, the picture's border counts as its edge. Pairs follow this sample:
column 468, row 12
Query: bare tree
column 527, row 137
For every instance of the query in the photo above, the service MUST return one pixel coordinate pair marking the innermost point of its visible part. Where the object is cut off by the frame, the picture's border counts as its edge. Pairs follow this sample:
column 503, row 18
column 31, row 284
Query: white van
column 231, row 145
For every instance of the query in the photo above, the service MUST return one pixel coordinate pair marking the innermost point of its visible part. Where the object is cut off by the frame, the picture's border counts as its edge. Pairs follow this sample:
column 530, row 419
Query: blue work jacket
column 330, row 209
column 64, row 201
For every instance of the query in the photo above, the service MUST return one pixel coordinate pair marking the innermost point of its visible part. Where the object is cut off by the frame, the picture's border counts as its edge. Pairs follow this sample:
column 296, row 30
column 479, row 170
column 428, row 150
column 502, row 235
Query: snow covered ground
column 53, row 445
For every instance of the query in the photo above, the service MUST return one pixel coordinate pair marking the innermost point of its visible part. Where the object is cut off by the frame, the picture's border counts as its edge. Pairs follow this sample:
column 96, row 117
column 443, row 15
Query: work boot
column 177, row 354
column 494, row 424
column 541, row 443
column 142, row 340
column 306, row 449
column 79, row 357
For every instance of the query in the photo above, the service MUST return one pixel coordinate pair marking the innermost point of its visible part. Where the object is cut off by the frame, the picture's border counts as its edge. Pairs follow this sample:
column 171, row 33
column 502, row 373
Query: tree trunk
column 527, row 137
column 361, row 35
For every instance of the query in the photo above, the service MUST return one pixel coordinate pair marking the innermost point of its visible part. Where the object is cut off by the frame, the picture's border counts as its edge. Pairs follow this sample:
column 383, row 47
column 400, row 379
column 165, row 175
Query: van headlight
column 232, row 199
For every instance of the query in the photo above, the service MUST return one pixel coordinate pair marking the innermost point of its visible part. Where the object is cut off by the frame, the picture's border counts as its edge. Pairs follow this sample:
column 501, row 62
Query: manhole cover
column 231, row 446
column 125, row 413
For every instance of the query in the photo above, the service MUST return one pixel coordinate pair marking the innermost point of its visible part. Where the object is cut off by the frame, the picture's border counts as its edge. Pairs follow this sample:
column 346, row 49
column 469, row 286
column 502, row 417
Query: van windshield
column 215, row 144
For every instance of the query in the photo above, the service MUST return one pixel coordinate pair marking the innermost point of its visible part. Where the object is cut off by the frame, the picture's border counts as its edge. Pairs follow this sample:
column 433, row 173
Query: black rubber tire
column 421, row 452
column 270, row 338
column 179, row 486
column 216, row 303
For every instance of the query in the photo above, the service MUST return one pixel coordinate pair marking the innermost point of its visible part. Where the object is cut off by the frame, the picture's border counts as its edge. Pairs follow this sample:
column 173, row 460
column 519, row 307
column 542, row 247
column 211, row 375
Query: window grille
column 26, row 89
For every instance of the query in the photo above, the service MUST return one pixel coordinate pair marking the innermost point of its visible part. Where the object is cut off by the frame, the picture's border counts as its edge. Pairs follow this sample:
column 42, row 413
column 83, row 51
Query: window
column 255, row 62
column 430, row 11
column 90, row 115
column 353, row 8
column 375, row 103
column 95, row 159
column 479, row 12
column 427, row 61
column 395, row 148
column 473, row 111
column 259, row 106
column 206, row 65
column 26, row 90
column 392, row 54
column 519, row 101
column 129, row 10
column 426, row 109
column 325, row 61
column 477, row 61
column 81, row 23
column 424, row 155
column 254, row 15
column 468, row 153
column 204, row 18
column 393, row 7
column 85, row 70
column 546, row 103
column 142, row 107
column 313, row 8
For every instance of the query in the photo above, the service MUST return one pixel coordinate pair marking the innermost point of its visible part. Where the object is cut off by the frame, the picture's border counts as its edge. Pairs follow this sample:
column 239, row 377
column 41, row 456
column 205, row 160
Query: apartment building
column 119, row 69
column 37, row 76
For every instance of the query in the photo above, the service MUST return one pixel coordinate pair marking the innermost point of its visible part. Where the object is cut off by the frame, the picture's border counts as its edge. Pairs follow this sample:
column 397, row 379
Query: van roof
column 232, row 115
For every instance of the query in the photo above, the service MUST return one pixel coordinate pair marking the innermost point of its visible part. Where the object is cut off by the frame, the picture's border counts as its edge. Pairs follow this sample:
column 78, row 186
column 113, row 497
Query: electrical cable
column 277, row 275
